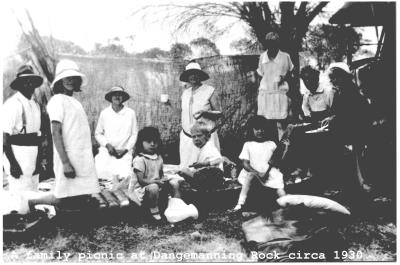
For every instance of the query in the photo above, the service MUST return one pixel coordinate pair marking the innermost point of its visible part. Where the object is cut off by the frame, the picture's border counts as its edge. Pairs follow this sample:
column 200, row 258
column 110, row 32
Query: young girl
column 148, row 169
column 255, row 155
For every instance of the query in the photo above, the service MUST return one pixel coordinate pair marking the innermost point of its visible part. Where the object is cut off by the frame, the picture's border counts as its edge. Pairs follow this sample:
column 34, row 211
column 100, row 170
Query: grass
column 132, row 240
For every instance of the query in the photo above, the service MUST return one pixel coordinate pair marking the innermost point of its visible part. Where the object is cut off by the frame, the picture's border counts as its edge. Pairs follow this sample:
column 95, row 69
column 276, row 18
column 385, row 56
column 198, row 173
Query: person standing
column 275, row 68
column 116, row 132
column 21, row 132
column 197, row 101
column 74, row 166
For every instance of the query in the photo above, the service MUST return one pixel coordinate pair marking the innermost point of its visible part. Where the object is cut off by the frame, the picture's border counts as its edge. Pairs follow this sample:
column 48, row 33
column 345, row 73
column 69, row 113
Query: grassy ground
column 372, row 232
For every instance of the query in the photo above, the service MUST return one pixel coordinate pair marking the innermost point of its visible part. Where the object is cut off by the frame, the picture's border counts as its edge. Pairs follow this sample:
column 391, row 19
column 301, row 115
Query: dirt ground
column 123, row 238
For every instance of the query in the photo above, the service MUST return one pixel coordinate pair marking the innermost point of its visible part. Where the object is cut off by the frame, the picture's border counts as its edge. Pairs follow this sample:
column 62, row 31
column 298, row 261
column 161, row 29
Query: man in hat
column 21, row 131
column 116, row 132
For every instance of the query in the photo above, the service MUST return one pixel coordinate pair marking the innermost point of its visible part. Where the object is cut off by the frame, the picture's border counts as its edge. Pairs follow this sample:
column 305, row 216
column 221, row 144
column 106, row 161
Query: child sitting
column 148, row 169
column 207, row 172
column 255, row 155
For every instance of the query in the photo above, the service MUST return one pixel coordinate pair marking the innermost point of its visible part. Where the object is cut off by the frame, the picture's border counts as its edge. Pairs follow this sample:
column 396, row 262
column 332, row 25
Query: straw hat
column 25, row 73
column 193, row 68
column 66, row 68
column 117, row 89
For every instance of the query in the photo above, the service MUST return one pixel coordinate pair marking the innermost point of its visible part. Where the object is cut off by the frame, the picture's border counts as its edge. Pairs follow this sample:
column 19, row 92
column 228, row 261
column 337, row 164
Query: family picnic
column 280, row 153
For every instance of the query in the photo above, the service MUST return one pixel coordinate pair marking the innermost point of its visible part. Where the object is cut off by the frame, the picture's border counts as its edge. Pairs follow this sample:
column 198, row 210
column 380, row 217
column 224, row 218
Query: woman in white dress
column 74, row 166
column 116, row 132
column 197, row 100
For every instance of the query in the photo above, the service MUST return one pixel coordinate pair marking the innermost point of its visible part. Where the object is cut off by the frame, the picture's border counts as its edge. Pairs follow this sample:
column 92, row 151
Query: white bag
column 178, row 210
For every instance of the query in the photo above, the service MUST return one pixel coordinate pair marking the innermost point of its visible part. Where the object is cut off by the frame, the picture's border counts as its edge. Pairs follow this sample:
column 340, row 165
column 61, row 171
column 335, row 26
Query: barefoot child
column 148, row 169
column 255, row 155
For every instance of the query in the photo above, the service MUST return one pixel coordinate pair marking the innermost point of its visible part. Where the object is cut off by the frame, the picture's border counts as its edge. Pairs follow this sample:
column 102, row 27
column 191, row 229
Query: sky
column 86, row 22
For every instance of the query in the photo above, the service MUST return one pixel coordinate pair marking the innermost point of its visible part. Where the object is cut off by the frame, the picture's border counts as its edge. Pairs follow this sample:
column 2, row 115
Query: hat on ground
column 25, row 73
column 193, row 68
column 339, row 65
column 66, row 68
column 117, row 89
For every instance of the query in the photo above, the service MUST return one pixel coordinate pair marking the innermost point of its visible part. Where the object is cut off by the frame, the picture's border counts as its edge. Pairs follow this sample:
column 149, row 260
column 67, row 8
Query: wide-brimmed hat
column 66, row 68
column 25, row 73
column 117, row 89
column 193, row 68
column 339, row 65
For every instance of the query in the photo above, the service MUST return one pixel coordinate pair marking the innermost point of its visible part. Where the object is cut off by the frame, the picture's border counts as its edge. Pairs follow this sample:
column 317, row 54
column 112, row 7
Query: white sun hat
column 66, row 68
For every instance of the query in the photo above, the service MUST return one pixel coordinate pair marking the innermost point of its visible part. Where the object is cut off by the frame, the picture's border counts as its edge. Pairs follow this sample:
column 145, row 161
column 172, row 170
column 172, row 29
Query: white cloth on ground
column 78, row 146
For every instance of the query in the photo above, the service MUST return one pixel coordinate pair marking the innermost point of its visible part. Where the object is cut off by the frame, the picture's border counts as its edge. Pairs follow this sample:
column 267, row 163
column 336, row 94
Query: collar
column 319, row 90
column 152, row 157
column 22, row 97
column 266, row 58
column 121, row 112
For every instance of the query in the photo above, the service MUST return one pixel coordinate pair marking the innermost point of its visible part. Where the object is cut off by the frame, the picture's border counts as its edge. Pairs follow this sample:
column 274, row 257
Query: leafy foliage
column 330, row 43
column 205, row 47
column 245, row 46
column 153, row 53
column 180, row 51
column 112, row 49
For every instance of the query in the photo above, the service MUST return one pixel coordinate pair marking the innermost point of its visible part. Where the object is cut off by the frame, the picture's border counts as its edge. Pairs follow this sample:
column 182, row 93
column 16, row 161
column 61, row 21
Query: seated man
column 116, row 133
column 318, row 102
column 207, row 172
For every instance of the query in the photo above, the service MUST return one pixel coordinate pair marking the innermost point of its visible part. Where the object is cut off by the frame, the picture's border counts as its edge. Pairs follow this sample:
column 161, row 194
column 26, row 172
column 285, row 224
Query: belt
column 185, row 133
column 27, row 139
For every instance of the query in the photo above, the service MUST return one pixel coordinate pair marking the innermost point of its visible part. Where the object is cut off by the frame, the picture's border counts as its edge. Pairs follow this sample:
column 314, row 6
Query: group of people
column 131, row 159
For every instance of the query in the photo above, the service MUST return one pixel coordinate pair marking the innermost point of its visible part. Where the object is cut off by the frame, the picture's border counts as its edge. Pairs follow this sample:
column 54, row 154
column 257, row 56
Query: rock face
column 146, row 79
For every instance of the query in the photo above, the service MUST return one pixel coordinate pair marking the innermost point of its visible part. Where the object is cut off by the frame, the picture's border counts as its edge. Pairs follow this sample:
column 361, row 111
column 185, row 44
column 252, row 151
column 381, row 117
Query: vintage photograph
column 198, row 131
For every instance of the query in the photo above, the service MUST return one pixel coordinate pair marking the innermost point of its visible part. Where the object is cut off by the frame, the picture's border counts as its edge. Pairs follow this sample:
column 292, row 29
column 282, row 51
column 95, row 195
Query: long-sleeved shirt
column 117, row 128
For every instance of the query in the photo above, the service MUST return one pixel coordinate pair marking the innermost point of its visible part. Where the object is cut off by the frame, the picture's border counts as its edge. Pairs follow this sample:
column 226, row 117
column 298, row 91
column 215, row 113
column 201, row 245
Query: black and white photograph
column 198, row 131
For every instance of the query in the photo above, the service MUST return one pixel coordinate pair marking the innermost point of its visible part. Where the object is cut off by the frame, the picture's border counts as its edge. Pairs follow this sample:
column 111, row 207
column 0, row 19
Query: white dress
column 259, row 154
column 120, row 130
column 78, row 145
column 272, row 101
column 26, row 156
column 192, row 103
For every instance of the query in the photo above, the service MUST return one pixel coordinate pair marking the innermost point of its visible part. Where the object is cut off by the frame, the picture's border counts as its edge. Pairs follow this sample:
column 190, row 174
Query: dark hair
column 147, row 134
column 308, row 70
column 260, row 122
column 58, row 87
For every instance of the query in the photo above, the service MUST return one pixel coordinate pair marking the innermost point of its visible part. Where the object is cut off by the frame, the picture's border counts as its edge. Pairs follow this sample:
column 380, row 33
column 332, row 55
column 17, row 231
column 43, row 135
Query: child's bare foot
column 155, row 213
column 237, row 208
